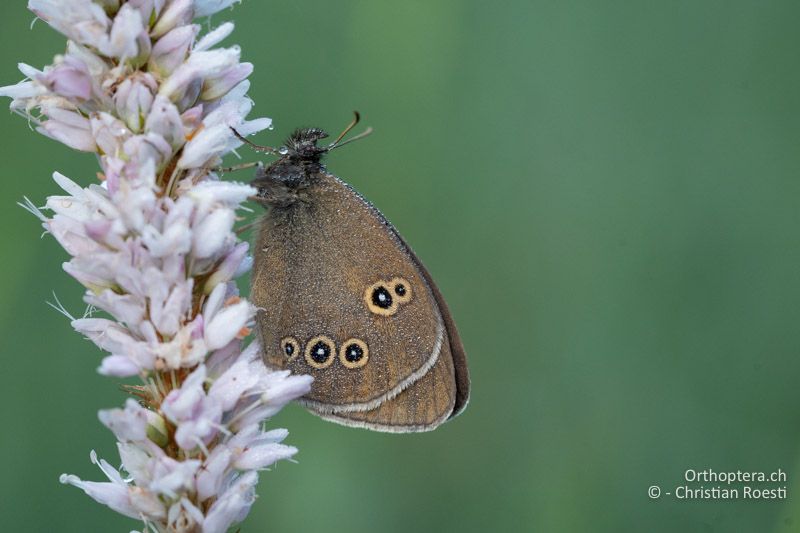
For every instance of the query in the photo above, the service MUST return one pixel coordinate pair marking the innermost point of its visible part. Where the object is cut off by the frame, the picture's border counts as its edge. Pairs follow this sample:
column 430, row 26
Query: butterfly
column 341, row 296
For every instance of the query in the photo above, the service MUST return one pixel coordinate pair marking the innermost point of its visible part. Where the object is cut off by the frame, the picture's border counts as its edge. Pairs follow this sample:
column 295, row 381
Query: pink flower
column 129, row 424
column 212, row 233
column 117, row 494
column 218, row 86
column 128, row 38
column 233, row 505
column 69, row 128
column 196, row 415
column 82, row 21
column 176, row 13
column 134, row 98
column 253, row 449
column 171, row 50
column 165, row 120
column 70, row 79
column 155, row 247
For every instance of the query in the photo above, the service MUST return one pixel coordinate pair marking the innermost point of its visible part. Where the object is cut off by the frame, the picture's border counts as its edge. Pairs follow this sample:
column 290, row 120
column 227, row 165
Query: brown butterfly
column 342, row 297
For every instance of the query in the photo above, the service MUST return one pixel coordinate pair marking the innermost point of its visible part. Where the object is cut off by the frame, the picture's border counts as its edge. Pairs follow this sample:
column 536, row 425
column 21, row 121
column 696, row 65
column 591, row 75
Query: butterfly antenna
column 346, row 130
column 357, row 137
column 356, row 119
column 257, row 148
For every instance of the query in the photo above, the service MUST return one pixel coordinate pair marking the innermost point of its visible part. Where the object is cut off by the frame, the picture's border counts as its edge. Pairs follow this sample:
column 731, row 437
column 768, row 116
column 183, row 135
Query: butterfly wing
column 456, row 347
column 423, row 406
column 326, row 283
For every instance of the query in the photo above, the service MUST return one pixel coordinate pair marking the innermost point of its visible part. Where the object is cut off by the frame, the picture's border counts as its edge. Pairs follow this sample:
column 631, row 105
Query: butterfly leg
column 243, row 166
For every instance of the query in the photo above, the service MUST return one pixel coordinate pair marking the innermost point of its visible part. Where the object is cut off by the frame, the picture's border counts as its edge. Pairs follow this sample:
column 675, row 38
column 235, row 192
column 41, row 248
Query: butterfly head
column 302, row 145
column 284, row 181
column 288, row 178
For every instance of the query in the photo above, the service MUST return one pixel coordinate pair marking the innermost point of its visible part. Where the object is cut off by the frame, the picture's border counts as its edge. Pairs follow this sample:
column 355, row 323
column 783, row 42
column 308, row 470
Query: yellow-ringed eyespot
column 320, row 352
column 379, row 299
column 401, row 290
column 290, row 347
column 354, row 353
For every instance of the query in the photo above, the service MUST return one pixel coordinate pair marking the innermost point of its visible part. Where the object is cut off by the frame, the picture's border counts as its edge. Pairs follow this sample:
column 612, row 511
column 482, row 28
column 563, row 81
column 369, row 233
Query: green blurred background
column 608, row 193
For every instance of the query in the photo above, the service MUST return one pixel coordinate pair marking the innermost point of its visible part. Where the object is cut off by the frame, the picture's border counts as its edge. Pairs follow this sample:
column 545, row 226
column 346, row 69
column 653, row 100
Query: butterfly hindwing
column 422, row 406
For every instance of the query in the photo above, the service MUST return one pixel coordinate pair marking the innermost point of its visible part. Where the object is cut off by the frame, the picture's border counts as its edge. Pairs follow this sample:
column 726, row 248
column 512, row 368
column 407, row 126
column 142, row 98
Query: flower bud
column 133, row 100
column 127, row 424
column 70, row 78
column 81, row 21
column 212, row 233
column 219, row 86
column 157, row 429
column 177, row 13
column 233, row 505
column 184, row 84
column 171, row 50
column 227, row 324
column 207, row 145
column 229, row 267
column 118, row 366
column 213, row 472
column 68, row 127
column 214, row 37
column 165, row 120
column 128, row 39
column 109, row 133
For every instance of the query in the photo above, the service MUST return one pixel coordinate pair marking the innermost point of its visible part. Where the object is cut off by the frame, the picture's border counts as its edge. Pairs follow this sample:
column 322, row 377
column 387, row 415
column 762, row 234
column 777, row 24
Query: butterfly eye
column 354, row 353
column 379, row 299
column 320, row 352
column 290, row 347
column 402, row 289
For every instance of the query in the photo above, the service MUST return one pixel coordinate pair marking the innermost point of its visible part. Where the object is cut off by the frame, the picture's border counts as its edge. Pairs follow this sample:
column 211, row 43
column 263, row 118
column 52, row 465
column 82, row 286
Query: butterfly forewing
column 341, row 298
